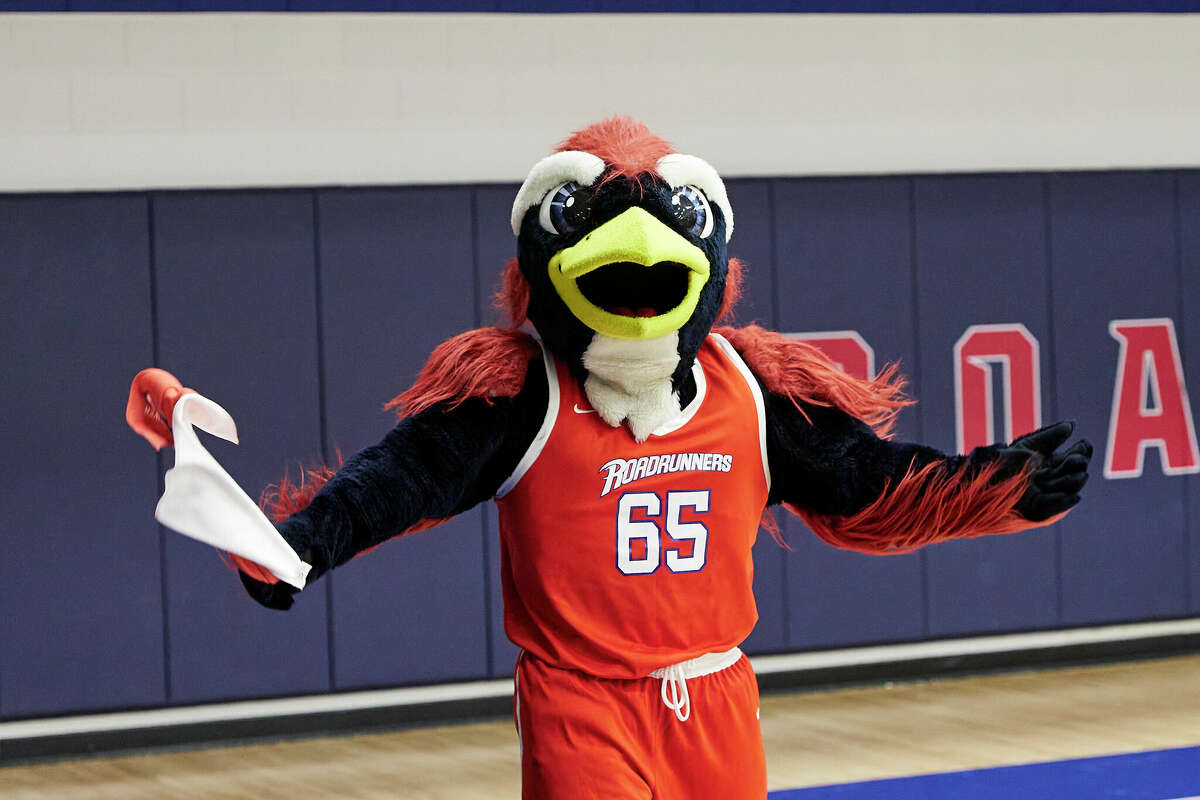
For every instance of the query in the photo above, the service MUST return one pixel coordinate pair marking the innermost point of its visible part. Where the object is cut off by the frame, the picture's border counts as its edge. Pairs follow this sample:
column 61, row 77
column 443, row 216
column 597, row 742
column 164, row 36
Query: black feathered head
column 621, row 236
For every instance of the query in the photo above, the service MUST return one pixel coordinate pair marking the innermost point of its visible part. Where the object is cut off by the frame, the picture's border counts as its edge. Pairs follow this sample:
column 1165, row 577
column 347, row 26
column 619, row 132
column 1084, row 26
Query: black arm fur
column 832, row 463
column 434, row 465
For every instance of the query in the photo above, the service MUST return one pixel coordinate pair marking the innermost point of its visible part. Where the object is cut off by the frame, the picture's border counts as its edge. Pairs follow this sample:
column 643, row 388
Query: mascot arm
column 861, row 492
column 833, row 464
column 436, row 463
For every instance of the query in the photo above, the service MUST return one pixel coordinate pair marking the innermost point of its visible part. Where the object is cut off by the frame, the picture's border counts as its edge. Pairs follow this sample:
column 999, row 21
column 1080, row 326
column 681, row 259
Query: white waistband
column 699, row 666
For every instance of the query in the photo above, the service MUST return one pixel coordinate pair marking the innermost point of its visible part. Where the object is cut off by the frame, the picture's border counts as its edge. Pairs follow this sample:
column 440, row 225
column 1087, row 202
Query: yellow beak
column 634, row 236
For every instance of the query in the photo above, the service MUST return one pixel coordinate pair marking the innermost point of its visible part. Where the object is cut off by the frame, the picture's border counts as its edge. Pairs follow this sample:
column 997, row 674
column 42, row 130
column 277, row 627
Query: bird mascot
column 633, row 450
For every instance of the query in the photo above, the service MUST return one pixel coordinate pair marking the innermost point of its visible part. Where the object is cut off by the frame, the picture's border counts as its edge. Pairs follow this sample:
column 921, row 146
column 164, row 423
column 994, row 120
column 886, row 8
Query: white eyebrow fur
column 678, row 170
column 569, row 165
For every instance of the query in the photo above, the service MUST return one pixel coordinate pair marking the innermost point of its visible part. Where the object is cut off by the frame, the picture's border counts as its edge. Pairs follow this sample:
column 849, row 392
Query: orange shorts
column 584, row 737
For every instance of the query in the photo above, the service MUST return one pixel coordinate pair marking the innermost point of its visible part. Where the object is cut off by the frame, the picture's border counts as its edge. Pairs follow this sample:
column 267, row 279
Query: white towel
column 200, row 500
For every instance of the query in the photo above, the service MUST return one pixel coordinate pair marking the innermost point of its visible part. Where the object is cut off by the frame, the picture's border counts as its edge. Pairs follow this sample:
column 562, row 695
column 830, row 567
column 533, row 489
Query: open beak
column 631, row 278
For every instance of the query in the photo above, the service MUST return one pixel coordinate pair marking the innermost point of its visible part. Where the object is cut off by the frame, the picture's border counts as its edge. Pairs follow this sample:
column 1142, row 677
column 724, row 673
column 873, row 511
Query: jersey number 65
column 647, row 530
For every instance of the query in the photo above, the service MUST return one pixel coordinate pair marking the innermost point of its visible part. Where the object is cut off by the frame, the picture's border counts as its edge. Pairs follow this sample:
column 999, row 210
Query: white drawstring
column 678, row 699
column 675, row 677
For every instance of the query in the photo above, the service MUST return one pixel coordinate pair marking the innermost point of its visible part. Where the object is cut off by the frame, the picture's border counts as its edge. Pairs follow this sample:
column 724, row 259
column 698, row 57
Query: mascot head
column 622, row 245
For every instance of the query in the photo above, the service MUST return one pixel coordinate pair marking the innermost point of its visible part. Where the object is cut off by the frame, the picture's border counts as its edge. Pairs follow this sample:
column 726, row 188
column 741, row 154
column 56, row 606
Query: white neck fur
column 630, row 381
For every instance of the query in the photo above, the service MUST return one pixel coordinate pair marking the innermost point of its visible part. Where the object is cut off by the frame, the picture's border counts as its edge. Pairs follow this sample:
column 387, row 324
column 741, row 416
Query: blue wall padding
column 303, row 311
column 237, row 322
column 751, row 201
column 1189, row 340
column 981, row 255
column 837, row 271
column 345, row 5
column 622, row 6
column 397, row 278
column 81, row 622
column 1114, row 256
column 34, row 5
column 1155, row 775
column 154, row 6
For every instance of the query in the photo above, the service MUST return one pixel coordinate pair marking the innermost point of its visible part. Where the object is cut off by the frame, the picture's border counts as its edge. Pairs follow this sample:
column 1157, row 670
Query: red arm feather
column 498, row 359
column 927, row 506
column 801, row 372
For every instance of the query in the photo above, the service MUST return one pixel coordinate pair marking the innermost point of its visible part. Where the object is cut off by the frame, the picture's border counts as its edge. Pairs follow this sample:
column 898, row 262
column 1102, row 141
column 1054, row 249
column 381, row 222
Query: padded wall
column 982, row 258
column 397, row 277
column 611, row 6
column 836, row 271
column 1115, row 255
column 81, row 604
column 303, row 311
column 237, row 322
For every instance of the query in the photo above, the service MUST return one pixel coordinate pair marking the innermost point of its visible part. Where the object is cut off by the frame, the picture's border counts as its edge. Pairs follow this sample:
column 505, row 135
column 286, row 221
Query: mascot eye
column 566, row 209
column 692, row 211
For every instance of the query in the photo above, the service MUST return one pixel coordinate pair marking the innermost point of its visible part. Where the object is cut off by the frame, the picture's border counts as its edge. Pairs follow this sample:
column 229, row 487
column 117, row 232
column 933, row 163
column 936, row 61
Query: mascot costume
column 633, row 450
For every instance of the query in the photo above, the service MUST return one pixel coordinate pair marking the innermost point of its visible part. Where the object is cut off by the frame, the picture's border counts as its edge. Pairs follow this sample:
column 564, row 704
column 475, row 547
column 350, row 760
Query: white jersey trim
column 685, row 415
column 517, row 700
column 759, row 404
column 543, row 434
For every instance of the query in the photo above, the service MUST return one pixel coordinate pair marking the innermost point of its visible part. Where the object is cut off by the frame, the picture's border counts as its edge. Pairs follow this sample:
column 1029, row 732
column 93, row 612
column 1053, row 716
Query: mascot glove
column 275, row 593
column 1055, row 478
column 278, row 596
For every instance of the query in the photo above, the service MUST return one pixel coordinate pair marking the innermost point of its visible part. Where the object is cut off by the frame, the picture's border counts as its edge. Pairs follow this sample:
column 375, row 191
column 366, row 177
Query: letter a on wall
column 1015, row 350
column 1150, row 403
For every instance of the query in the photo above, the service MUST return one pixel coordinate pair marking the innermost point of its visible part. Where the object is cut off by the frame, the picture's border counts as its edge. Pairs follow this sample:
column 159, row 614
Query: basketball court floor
column 1125, row 730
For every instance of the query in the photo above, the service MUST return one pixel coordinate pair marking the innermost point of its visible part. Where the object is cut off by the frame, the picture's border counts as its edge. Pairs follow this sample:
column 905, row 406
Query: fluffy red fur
column 928, row 506
column 279, row 501
column 626, row 145
column 487, row 363
column 733, row 290
column 768, row 523
column 802, row 372
column 513, row 295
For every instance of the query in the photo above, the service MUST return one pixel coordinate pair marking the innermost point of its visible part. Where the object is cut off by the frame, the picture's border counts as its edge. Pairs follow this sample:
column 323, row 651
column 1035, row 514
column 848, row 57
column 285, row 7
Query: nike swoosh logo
column 579, row 410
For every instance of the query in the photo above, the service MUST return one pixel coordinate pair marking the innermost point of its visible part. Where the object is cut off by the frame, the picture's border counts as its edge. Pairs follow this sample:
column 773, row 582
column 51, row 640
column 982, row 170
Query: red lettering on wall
column 848, row 349
column 980, row 349
column 1150, row 404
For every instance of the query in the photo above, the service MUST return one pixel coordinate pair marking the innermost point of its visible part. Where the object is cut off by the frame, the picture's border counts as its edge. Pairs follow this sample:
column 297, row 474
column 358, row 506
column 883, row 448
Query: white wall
column 178, row 100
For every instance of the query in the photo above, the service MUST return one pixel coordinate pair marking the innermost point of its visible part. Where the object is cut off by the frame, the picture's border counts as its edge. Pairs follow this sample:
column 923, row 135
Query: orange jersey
column 619, row 558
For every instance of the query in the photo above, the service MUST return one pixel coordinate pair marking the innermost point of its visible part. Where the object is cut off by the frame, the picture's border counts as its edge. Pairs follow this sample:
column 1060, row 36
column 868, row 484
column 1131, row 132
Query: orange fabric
column 588, row 738
column 568, row 598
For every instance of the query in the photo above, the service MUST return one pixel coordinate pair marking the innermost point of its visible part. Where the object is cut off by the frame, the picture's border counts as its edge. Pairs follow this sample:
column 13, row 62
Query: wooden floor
column 811, row 739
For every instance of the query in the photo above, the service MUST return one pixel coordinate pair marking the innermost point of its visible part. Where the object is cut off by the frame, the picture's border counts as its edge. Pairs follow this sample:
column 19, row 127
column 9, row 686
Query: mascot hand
column 152, row 398
column 263, row 586
column 278, row 596
column 1055, row 478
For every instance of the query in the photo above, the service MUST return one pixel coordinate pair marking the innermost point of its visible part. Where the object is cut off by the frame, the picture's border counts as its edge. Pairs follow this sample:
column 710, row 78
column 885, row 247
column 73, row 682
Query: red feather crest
column 626, row 145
